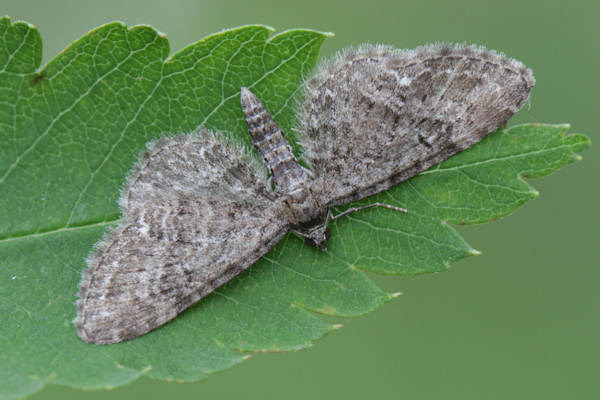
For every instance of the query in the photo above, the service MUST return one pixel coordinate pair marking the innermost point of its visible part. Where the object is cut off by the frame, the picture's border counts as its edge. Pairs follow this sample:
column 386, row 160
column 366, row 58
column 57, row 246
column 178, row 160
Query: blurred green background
column 520, row 321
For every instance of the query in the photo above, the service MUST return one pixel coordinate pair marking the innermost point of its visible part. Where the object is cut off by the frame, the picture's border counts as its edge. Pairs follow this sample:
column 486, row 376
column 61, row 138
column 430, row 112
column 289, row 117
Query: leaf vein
column 442, row 169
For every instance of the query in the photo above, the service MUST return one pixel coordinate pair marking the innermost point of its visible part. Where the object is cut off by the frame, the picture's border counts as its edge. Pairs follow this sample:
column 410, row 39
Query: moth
column 198, row 209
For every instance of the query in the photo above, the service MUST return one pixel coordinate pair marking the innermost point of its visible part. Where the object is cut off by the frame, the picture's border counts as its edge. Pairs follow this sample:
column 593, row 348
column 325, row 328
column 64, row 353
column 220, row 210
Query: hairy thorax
column 308, row 217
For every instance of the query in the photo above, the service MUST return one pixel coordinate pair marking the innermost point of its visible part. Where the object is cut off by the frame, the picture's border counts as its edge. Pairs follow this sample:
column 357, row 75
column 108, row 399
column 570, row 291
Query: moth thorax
column 302, row 207
column 308, row 217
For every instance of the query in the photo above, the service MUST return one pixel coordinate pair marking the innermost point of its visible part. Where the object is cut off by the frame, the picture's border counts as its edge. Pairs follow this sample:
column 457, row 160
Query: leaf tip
column 395, row 295
column 474, row 252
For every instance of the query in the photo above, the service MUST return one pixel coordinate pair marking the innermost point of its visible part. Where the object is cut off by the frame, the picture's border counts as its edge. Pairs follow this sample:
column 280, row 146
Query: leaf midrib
column 27, row 235
column 30, row 235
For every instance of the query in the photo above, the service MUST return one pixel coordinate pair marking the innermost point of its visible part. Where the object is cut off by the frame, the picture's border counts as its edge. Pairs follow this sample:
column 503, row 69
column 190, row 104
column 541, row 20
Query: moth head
column 315, row 236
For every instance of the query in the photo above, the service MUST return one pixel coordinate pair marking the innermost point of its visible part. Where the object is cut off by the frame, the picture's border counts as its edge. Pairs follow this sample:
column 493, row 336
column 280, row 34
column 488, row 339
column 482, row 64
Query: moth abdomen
column 270, row 142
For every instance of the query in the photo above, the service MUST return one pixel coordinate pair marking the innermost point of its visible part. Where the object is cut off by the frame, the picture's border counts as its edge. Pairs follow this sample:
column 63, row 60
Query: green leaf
column 69, row 134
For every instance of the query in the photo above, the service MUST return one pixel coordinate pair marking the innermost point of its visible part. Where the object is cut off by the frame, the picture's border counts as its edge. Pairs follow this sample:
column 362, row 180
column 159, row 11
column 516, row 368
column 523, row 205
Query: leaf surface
column 70, row 132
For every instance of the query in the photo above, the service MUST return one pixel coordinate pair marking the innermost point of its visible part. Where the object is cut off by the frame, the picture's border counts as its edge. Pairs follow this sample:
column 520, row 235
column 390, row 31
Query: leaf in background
column 69, row 134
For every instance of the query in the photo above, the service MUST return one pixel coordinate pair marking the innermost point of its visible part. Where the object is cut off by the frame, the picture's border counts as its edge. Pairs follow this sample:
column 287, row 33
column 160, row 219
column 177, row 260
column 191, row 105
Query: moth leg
column 355, row 209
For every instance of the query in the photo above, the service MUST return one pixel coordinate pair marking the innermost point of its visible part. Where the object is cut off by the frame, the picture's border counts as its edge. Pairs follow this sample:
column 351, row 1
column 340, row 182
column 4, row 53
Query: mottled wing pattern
column 376, row 116
column 196, row 213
